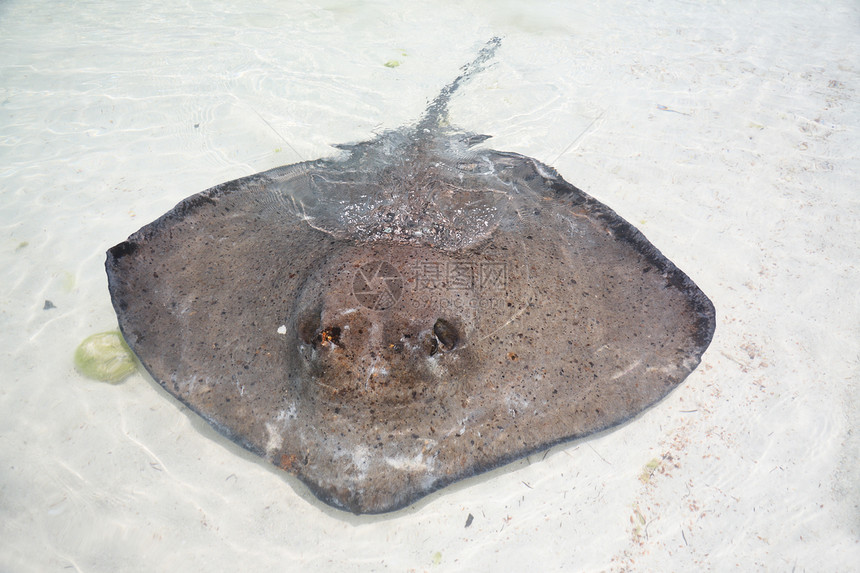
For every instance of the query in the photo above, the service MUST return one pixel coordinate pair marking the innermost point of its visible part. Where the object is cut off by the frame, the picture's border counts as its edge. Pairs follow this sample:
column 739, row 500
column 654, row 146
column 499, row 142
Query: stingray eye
column 311, row 331
column 329, row 335
column 430, row 344
column 446, row 334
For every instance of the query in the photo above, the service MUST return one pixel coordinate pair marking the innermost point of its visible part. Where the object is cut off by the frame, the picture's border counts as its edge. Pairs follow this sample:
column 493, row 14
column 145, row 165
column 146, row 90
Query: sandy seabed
column 727, row 133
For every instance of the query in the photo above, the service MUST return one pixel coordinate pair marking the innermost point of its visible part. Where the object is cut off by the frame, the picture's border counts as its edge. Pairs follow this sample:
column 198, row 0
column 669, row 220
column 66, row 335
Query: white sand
column 727, row 134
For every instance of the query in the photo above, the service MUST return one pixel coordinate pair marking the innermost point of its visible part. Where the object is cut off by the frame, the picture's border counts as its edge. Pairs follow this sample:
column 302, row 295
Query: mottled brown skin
column 578, row 325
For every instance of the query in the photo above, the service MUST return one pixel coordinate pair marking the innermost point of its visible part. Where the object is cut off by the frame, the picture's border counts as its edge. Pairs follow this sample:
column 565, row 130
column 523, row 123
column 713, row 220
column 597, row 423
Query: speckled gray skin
column 415, row 313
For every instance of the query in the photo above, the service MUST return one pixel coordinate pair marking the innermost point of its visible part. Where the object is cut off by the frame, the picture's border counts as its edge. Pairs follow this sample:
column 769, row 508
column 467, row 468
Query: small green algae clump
column 105, row 357
column 650, row 467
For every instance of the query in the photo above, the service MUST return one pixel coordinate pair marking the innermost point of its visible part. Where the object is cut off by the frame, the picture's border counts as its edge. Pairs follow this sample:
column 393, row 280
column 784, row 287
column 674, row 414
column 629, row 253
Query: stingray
column 410, row 313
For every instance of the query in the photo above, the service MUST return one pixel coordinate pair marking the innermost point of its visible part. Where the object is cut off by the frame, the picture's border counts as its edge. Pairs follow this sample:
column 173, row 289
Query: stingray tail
column 438, row 109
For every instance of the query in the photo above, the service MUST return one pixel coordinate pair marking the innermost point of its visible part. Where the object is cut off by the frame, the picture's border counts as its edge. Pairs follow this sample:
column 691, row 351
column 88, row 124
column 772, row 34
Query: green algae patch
column 105, row 357
column 395, row 63
column 650, row 467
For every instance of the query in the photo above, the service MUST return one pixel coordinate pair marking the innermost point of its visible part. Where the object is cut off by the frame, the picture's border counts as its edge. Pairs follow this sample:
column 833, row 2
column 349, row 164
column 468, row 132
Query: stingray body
column 414, row 313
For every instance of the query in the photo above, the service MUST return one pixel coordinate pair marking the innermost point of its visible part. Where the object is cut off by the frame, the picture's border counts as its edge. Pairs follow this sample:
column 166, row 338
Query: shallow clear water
column 728, row 135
